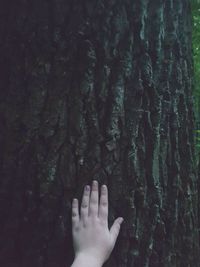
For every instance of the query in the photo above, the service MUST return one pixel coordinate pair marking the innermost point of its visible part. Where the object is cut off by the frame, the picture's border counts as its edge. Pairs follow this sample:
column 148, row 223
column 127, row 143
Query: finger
column 75, row 212
column 114, row 230
column 85, row 203
column 103, row 207
column 94, row 199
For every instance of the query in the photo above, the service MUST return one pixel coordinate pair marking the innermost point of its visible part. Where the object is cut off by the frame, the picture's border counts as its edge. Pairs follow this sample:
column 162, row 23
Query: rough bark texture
column 97, row 89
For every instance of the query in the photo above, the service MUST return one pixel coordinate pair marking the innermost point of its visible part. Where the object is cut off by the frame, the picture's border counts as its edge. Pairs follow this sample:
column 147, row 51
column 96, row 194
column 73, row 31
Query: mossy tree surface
column 97, row 90
column 196, row 57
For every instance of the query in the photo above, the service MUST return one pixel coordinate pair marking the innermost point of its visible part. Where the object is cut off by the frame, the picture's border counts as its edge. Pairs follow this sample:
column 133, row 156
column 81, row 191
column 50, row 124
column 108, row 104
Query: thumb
column 114, row 230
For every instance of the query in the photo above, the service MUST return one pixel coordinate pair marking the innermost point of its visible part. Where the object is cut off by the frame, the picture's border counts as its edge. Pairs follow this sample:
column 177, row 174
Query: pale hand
column 93, row 241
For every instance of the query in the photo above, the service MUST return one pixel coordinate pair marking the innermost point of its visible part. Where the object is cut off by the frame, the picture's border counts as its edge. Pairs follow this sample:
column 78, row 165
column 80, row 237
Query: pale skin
column 92, row 240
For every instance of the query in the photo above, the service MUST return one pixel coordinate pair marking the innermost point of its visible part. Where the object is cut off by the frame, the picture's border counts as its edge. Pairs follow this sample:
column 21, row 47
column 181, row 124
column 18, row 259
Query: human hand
column 92, row 239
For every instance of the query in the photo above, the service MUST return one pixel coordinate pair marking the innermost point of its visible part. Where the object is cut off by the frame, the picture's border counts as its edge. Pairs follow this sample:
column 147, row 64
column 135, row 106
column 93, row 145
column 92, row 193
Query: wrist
column 84, row 260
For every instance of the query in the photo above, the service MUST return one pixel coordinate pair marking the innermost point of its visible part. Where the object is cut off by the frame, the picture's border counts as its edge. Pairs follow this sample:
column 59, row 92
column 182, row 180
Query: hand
column 92, row 239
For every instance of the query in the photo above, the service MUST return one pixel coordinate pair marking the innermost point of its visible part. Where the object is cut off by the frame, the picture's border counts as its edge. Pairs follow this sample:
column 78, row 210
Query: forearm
column 83, row 261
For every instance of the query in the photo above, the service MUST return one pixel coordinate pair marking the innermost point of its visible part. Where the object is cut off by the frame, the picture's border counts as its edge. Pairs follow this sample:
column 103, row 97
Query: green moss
column 196, row 59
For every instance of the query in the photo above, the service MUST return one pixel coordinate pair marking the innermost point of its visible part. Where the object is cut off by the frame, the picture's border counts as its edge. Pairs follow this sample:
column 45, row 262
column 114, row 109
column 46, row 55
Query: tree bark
column 97, row 90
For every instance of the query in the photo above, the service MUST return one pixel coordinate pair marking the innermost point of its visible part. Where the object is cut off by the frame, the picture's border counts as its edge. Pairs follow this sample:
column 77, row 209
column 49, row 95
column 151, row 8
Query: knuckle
column 93, row 214
column 84, row 225
column 74, row 214
column 102, row 222
column 76, row 228
column 94, row 201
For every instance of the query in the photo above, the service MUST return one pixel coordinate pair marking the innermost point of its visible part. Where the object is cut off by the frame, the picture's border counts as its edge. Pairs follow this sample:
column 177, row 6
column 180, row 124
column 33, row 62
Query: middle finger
column 94, row 200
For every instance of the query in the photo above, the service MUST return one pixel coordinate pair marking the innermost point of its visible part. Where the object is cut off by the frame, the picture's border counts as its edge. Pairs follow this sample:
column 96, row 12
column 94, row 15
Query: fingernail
column 87, row 187
column 75, row 201
column 121, row 220
column 95, row 183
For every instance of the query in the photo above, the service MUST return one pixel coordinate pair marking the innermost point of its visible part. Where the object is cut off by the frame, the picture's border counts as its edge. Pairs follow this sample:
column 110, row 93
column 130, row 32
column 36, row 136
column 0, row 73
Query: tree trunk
column 97, row 90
